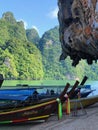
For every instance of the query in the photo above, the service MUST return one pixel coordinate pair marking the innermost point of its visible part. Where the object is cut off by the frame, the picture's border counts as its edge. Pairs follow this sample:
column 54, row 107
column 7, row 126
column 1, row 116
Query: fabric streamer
column 59, row 109
column 79, row 94
column 67, row 105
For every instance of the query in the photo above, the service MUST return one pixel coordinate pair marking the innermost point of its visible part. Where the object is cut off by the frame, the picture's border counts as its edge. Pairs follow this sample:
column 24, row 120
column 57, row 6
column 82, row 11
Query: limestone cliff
column 78, row 29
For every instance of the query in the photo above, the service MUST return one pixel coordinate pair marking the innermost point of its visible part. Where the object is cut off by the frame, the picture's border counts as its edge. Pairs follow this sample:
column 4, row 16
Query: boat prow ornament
column 78, row 30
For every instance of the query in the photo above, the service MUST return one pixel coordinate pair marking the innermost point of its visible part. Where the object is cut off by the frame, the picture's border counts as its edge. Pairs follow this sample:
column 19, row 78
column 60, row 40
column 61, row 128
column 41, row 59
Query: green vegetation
column 19, row 58
column 50, row 48
column 26, row 56
column 32, row 36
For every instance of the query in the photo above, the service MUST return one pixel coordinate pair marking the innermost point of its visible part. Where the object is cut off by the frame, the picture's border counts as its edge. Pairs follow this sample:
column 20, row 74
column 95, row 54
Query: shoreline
column 82, row 121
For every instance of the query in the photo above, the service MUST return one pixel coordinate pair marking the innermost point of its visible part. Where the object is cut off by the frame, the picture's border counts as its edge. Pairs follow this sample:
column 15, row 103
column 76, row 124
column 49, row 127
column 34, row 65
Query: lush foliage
column 24, row 55
column 55, row 69
column 33, row 36
column 19, row 58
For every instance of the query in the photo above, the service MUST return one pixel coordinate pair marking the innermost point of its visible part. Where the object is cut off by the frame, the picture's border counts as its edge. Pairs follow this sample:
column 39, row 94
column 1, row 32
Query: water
column 94, row 85
column 31, row 126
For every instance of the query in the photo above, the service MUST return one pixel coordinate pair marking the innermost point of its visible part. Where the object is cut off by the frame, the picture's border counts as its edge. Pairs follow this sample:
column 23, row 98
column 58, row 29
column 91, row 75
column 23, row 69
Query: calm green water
column 36, row 82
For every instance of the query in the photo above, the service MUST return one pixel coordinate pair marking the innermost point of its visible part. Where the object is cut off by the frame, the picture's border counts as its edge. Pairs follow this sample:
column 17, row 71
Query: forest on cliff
column 26, row 55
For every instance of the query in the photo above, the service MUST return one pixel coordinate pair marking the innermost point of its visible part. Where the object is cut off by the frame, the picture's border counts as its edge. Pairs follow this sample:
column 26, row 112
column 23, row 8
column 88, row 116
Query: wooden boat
column 35, row 111
column 39, row 110
column 23, row 95
column 84, row 101
column 10, row 98
column 27, row 91
column 84, row 94
column 11, row 101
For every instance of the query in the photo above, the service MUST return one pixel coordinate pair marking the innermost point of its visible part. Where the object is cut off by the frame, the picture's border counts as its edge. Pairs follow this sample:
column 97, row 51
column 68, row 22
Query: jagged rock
column 78, row 29
column 9, row 17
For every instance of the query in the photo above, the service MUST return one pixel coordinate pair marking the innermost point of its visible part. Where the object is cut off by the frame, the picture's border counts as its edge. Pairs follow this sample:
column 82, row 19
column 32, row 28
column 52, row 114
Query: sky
column 38, row 14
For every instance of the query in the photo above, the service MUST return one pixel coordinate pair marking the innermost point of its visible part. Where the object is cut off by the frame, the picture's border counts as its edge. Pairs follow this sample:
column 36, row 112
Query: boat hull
column 84, row 101
column 34, row 112
column 38, row 111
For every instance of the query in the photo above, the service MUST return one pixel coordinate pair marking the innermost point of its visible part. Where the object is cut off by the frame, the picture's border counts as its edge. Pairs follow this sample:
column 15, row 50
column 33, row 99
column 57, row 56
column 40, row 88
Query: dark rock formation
column 78, row 29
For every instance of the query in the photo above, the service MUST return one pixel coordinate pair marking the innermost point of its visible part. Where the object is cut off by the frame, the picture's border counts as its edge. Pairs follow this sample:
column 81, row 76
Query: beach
column 81, row 121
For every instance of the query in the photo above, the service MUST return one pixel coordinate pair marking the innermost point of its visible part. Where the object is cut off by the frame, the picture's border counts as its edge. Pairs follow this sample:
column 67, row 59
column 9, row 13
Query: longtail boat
column 34, row 111
column 39, row 110
column 10, row 98
column 27, row 92
column 88, row 101
column 11, row 101
column 23, row 96
column 84, row 94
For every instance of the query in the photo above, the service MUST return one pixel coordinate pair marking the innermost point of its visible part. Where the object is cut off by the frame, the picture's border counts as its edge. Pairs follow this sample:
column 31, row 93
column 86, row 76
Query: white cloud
column 35, row 28
column 25, row 24
column 53, row 13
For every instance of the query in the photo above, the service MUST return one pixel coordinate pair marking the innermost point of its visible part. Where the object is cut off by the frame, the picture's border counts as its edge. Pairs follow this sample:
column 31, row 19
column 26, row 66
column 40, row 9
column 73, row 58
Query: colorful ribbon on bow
column 67, row 104
column 59, row 108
